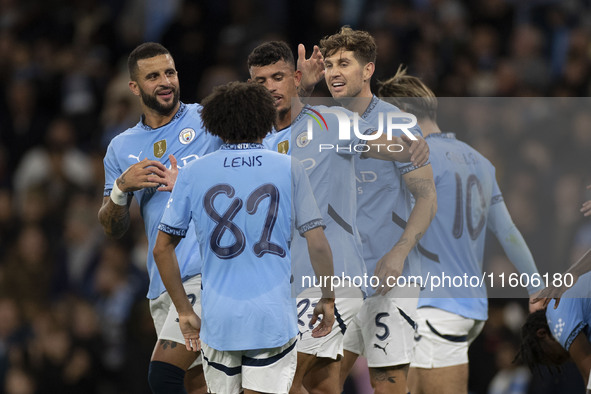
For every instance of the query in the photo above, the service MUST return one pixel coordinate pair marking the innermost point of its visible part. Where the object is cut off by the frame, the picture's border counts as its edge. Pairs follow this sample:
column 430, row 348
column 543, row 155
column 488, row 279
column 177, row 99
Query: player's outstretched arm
column 165, row 257
column 582, row 266
column 415, row 151
column 321, row 259
column 586, row 208
column 312, row 70
column 500, row 223
column 114, row 213
column 421, row 185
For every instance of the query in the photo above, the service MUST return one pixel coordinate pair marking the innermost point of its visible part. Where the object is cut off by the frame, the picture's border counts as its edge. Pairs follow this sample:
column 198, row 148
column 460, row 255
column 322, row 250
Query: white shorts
column 262, row 370
column 348, row 301
column 165, row 315
column 444, row 338
column 384, row 330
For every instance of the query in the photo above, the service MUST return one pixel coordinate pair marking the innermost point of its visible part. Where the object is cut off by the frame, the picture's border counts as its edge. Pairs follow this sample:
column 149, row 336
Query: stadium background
column 73, row 317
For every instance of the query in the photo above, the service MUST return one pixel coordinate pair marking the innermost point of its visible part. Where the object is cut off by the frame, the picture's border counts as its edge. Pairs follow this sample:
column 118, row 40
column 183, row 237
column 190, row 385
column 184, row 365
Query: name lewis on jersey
column 242, row 161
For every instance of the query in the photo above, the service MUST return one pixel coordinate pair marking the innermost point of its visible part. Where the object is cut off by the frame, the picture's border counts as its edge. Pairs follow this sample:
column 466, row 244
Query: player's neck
column 284, row 119
column 154, row 119
column 361, row 102
column 428, row 126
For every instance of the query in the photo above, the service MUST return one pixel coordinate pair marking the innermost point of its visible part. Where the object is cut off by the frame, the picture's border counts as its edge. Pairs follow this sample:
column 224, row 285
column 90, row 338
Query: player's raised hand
column 145, row 174
column 191, row 327
column 312, row 69
column 169, row 175
column 419, row 150
column 325, row 307
column 387, row 270
column 542, row 298
column 586, row 208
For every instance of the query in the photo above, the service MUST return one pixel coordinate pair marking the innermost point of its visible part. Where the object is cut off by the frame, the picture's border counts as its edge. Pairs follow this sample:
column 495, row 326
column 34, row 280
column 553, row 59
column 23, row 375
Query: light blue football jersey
column 466, row 189
column 384, row 203
column 185, row 138
column 329, row 163
column 240, row 201
column 573, row 313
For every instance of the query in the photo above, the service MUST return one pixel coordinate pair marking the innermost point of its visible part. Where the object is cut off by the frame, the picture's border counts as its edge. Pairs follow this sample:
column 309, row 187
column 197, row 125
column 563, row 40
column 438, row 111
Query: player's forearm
column 421, row 185
column 168, row 267
column 582, row 266
column 321, row 258
column 114, row 218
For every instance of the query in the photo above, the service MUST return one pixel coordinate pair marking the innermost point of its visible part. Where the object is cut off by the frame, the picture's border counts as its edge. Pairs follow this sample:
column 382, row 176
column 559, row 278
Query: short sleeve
column 306, row 212
column 177, row 214
column 112, row 169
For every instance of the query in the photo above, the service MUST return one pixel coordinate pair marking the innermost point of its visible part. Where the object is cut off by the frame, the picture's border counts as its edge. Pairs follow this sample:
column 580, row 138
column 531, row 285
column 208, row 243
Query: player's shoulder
column 127, row 135
column 193, row 110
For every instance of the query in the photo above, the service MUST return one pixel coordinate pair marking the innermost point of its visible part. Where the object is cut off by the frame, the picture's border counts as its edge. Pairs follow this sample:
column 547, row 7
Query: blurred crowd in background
column 73, row 313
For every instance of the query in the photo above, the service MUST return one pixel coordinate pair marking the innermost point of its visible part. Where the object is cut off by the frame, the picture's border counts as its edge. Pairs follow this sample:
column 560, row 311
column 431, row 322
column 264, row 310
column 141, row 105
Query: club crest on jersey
column 186, row 135
column 283, row 147
column 302, row 139
column 160, row 148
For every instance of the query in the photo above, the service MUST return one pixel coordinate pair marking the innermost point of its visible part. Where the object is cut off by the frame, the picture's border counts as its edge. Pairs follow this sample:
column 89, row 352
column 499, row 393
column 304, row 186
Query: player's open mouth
column 277, row 99
column 165, row 94
column 337, row 85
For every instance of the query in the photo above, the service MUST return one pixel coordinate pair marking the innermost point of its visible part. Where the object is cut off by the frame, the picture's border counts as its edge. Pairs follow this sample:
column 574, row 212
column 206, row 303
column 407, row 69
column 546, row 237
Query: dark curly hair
column 530, row 351
column 143, row 51
column 270, row 53
column 239, row 112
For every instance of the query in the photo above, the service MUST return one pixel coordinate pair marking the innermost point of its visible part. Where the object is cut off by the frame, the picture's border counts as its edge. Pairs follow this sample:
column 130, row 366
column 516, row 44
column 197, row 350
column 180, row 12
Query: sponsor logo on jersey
column 283, row 147
column 302, row 140
column 186, row 135
column 160, row 148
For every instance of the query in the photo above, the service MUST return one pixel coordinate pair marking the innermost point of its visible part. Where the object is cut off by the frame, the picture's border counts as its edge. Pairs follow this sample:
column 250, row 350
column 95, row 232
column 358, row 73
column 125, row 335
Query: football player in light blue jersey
column 245, row 201
column 329, row 163
column 552, row 336
column 469, row 202
column 390, row 226
column 140, row 163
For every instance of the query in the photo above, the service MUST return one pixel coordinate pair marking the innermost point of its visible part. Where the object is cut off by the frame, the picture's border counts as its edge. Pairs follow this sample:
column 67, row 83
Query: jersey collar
column 181, row 110
column 451, row 136
column 374, row 101
column 242, row 146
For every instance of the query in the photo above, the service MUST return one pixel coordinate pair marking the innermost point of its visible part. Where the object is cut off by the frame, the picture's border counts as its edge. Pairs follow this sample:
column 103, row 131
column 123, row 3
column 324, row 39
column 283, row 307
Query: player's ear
column 134, row 88
column 297, row 77
column 368, row 70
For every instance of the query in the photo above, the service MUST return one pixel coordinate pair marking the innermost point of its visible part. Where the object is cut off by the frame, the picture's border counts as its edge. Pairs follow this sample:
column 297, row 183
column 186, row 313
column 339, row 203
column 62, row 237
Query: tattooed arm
column 114, row 214
column 421, row 185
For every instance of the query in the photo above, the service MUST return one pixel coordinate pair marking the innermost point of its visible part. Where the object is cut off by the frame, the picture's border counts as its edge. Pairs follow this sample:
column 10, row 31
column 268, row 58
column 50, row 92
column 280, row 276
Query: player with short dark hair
column 245, row 202
column 469, row 201
column 389, row 222
column 141, row 162
column 332, row 176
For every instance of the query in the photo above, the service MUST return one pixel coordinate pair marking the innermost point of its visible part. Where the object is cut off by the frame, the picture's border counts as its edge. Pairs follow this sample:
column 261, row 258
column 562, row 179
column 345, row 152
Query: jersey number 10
column 472, row 185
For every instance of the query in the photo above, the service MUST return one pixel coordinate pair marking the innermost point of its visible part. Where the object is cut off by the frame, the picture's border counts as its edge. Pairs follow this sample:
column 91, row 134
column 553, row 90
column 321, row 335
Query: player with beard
column 141, row 163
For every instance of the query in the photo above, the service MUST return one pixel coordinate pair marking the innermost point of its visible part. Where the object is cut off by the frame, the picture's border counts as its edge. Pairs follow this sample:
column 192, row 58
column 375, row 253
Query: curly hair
column 530, row 351
column 410, row 94
column 360, row 42
column 270, row 53
column 144, row 51
column 239, row 112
